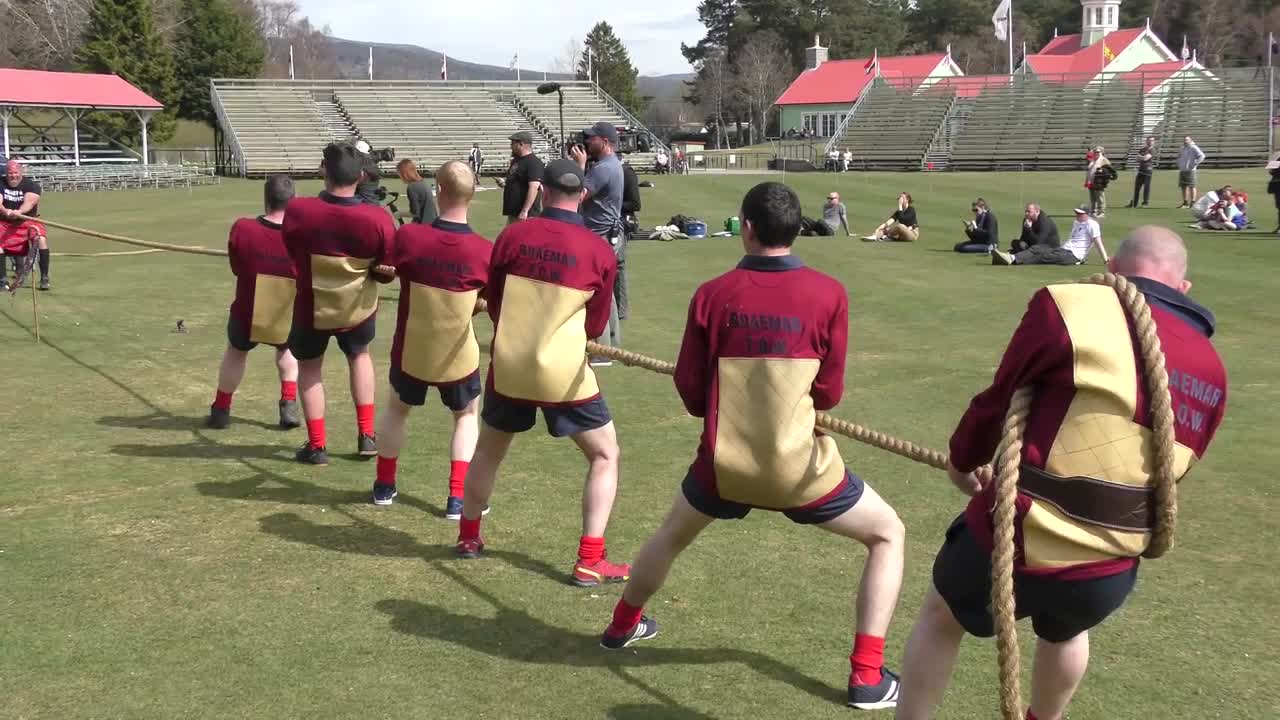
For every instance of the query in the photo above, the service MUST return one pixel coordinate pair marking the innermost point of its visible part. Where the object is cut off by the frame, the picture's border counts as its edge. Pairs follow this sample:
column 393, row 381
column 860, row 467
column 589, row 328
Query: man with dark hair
column 262, row 311
column 337, row 244
column 550, row 288
column 443, row 268
column 476, row 158
column 20, row 195
column 602, row 208
column 1146, row 169
column 983, row 231
column 523, row 184
column 763, row 351
column 1084, row 508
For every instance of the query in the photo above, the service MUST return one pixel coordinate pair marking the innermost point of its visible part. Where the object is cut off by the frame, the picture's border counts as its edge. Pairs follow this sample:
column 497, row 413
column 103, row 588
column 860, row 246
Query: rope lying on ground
column 1009, row 461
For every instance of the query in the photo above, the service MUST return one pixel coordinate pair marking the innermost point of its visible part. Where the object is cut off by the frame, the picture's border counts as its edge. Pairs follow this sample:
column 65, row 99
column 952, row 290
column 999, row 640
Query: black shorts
column 1059, row 609
column 455, row 396
column 309, row 344
column 510, row 417
column 833, row 505
column 238, row 338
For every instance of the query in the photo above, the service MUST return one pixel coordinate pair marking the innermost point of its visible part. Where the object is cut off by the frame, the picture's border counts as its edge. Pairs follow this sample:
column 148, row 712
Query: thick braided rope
column 1009, row 461
column 128, row 240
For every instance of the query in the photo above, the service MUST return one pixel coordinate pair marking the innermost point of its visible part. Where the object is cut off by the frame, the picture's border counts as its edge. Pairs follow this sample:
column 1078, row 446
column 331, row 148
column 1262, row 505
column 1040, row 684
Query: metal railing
column 656, row 143
column 228, row 130
column 848, row 118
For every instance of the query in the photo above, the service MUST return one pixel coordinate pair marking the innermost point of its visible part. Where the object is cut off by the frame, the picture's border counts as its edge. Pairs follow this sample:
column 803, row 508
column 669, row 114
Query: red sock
column 1031, row 715
column 315, row 432
column 625, row 617
column 590, row 549
column 364, row 418
column 386, row 470
column 288, row 390
column 457, row 477
column 468, row 529
column 222, row 401
column 866, row 660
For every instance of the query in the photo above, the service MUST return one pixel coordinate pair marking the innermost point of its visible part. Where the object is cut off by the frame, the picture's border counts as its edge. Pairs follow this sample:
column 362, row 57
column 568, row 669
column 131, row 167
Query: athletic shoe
column 881, row 696
column 470, row 549
column 453, row 508
column 1001, row 258
column 645, row 629
column 367, row 445
column 872, row 238
column 600, row 362
column 599, row 572
column 44, row 283
column 383, row 493
column 219, row 418
column 4, row 284
column 289, row 416
column 312, row 455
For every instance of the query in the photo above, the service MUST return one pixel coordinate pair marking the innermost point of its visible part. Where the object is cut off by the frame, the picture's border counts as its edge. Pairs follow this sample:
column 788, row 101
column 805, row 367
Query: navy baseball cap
column 603, row 129
column 563, row 175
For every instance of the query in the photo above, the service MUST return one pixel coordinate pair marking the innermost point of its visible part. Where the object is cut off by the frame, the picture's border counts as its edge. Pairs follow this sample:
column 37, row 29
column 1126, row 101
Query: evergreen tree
column 122, row 39
column 213, row 41
column 611, row 62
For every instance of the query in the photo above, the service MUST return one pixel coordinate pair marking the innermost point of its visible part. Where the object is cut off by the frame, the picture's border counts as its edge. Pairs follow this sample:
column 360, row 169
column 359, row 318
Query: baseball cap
column 603, row 129
column 524, row 136
column 563, row 175
column 362, row 147
column 1081, row 210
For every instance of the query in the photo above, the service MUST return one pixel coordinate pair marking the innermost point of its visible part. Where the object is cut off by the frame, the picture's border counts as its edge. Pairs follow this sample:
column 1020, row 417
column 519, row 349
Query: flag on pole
column 873, row 64
column 290, row 62
column 588, row 62
column 1186, row 54
column 444, row 66
column 370, row 62
column 1000, row 19
column 515, row 64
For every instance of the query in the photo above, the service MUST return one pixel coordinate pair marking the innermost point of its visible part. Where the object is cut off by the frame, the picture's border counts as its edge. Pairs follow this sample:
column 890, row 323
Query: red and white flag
column 873, row 64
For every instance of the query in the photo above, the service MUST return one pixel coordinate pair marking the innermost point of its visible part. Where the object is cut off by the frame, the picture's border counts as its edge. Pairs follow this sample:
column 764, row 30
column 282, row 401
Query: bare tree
column 714, row 87
column 1219, row 28
column 42, row 33
column 567, row 61
column 761, row 72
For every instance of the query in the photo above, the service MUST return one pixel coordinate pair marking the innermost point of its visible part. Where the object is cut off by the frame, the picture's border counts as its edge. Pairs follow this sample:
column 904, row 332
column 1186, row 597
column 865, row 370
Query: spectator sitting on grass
column 1085, row 234
column 901, row 226
column 1224, row 215
column 983, row 232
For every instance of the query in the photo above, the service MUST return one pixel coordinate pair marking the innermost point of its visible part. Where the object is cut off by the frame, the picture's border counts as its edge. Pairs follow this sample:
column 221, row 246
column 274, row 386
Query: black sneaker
column 453, row 509
column 44, row 283
column 290, row 418
column 645, row 629
column 383, row 494
column 219, row 419
column 367, row 445
column 312, row 455
column 881, row 696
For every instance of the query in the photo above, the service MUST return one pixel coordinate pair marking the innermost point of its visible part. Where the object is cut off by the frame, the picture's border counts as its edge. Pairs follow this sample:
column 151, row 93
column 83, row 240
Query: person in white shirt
column 1085, row 234
column 833, row 160
column 846, row 159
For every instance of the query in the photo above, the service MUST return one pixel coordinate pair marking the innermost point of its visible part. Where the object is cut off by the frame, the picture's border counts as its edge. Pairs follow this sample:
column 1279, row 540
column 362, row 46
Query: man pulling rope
column 1093, row 492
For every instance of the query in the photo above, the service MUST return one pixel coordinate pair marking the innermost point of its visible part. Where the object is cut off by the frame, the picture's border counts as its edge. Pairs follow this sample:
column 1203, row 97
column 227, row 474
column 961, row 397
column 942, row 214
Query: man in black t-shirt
column 20, row 195
column 523, row 183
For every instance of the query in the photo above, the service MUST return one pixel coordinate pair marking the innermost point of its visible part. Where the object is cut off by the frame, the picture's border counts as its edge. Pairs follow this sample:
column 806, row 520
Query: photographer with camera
column 602, row 209
column 369, row 190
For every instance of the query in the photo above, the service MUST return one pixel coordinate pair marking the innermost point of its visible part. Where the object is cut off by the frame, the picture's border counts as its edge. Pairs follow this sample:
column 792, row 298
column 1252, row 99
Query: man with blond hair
column 443, row 268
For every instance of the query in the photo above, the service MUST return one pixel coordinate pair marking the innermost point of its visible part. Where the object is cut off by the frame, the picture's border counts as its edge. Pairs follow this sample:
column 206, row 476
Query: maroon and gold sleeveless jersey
column 1085, row 502
column 265, row 280
column 763, row 351
column 443, row 268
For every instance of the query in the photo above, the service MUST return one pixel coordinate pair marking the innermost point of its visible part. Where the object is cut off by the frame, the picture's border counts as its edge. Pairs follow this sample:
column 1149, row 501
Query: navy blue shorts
column 238, row 337
column 309, row 344
column 835, row 504
column 1059, row 609
column 510, row 417
column 455, row 396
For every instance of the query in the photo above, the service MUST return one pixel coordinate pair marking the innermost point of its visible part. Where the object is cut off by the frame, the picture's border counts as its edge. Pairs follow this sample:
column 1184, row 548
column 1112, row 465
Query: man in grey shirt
column 1188, row 164
column 602, row 209
column 834, row 214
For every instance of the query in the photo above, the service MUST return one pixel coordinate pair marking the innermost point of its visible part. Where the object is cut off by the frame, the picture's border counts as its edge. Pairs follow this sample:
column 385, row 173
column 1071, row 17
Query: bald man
column 1084, row 507
column 19, row 196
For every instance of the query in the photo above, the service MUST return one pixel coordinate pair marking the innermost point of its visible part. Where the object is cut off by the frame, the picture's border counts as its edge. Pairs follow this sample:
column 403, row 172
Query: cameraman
column 369, row 189
column 602, row 208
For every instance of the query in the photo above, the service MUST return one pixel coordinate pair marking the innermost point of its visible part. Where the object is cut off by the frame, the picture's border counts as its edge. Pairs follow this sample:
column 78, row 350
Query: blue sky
column 491, row 31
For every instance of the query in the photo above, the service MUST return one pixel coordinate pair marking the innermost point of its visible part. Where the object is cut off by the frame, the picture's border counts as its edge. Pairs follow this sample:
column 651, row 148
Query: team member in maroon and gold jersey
column 263, row 307
column 443, row 268
column 550, row 288
column 1084, row 507
column 337, row 244
column 763, row 351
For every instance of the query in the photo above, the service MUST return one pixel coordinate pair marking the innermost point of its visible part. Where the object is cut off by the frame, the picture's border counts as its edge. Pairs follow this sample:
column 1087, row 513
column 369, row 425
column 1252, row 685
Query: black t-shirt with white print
column 13, row 197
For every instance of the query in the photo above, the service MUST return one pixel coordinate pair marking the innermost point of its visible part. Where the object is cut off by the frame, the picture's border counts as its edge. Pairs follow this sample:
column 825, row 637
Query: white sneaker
column 1001, row 258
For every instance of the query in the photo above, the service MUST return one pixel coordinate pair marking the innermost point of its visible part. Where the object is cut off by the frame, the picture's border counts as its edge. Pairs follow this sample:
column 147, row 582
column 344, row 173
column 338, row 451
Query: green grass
column 152, row 569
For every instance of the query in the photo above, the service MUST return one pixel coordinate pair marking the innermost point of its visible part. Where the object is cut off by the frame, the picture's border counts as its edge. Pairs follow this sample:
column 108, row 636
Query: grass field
column 152, row 569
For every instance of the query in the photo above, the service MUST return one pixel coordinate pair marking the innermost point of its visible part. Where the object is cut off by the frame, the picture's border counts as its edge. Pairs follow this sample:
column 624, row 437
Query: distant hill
column 407, row 62
column 663, row 87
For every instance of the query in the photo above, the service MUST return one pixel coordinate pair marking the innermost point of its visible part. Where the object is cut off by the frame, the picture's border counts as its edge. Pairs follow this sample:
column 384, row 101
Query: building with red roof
column 1102, row 46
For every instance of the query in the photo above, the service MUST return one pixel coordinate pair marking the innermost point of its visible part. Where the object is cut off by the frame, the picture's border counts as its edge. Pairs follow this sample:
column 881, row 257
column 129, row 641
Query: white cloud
column 491, row 31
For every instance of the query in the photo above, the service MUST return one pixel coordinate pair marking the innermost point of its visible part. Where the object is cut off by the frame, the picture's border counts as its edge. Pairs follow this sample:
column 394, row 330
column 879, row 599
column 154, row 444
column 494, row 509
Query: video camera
column 629, row 140
column 370, row 189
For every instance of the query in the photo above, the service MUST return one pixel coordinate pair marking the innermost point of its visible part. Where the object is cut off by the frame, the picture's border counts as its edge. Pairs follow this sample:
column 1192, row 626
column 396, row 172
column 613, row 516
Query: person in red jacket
column 764, row 350
column 337, row 244
column 443, row 268
column 1084, row 506
column 550, row 289
column 263, row 305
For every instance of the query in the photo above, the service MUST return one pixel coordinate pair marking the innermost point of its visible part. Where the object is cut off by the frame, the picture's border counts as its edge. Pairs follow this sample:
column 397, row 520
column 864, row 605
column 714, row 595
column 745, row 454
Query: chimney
column 815, row 56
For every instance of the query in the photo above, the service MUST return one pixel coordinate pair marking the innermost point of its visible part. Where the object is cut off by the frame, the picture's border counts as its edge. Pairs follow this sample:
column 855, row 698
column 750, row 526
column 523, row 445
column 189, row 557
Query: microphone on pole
column 548, row 88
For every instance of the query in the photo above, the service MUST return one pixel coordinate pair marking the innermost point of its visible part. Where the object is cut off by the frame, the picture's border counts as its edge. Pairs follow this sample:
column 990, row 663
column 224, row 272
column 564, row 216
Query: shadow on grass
column 202, row 451
column 514, row 634
column 166, row 421
column 267, row 486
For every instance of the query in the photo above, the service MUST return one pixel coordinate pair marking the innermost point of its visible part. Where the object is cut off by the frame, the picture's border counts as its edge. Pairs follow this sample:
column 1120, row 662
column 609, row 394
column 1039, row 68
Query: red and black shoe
column 469, row 549
column 600, row 572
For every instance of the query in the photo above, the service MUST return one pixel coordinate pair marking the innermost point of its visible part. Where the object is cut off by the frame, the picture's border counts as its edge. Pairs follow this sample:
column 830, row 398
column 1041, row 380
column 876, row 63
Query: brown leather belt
column 1098, row 502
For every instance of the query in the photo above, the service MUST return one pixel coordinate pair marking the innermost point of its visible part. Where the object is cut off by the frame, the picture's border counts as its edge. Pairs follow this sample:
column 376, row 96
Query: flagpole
column 517, row 66
column 370, row 62
column 290, row 62
column 1008, row 31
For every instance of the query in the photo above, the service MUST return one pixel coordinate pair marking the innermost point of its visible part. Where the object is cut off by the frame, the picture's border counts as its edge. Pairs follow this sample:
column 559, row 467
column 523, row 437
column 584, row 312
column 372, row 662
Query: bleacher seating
column 66, row 178
column 893, row 127
column 278, row 128
column 1225, row 112
column 582, row 109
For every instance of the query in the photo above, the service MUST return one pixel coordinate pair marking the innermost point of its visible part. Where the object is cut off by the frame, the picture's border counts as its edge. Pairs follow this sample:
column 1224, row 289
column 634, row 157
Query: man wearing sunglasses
column 983, row 232
column 835, row 215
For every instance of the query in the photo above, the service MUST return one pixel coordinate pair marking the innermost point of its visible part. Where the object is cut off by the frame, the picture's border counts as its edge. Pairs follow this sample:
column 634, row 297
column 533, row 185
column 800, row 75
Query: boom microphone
column 548, row 88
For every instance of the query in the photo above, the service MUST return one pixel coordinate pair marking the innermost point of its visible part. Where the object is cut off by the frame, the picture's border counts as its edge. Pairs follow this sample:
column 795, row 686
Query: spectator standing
column 476, row 159
column 1146, row 168
column 422, row 203
column 523, row 184
column 983, row 231
column 1273, row 186
column 835, row 215
column 1097, row 178
column 602, row 208
column 1188, row 170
